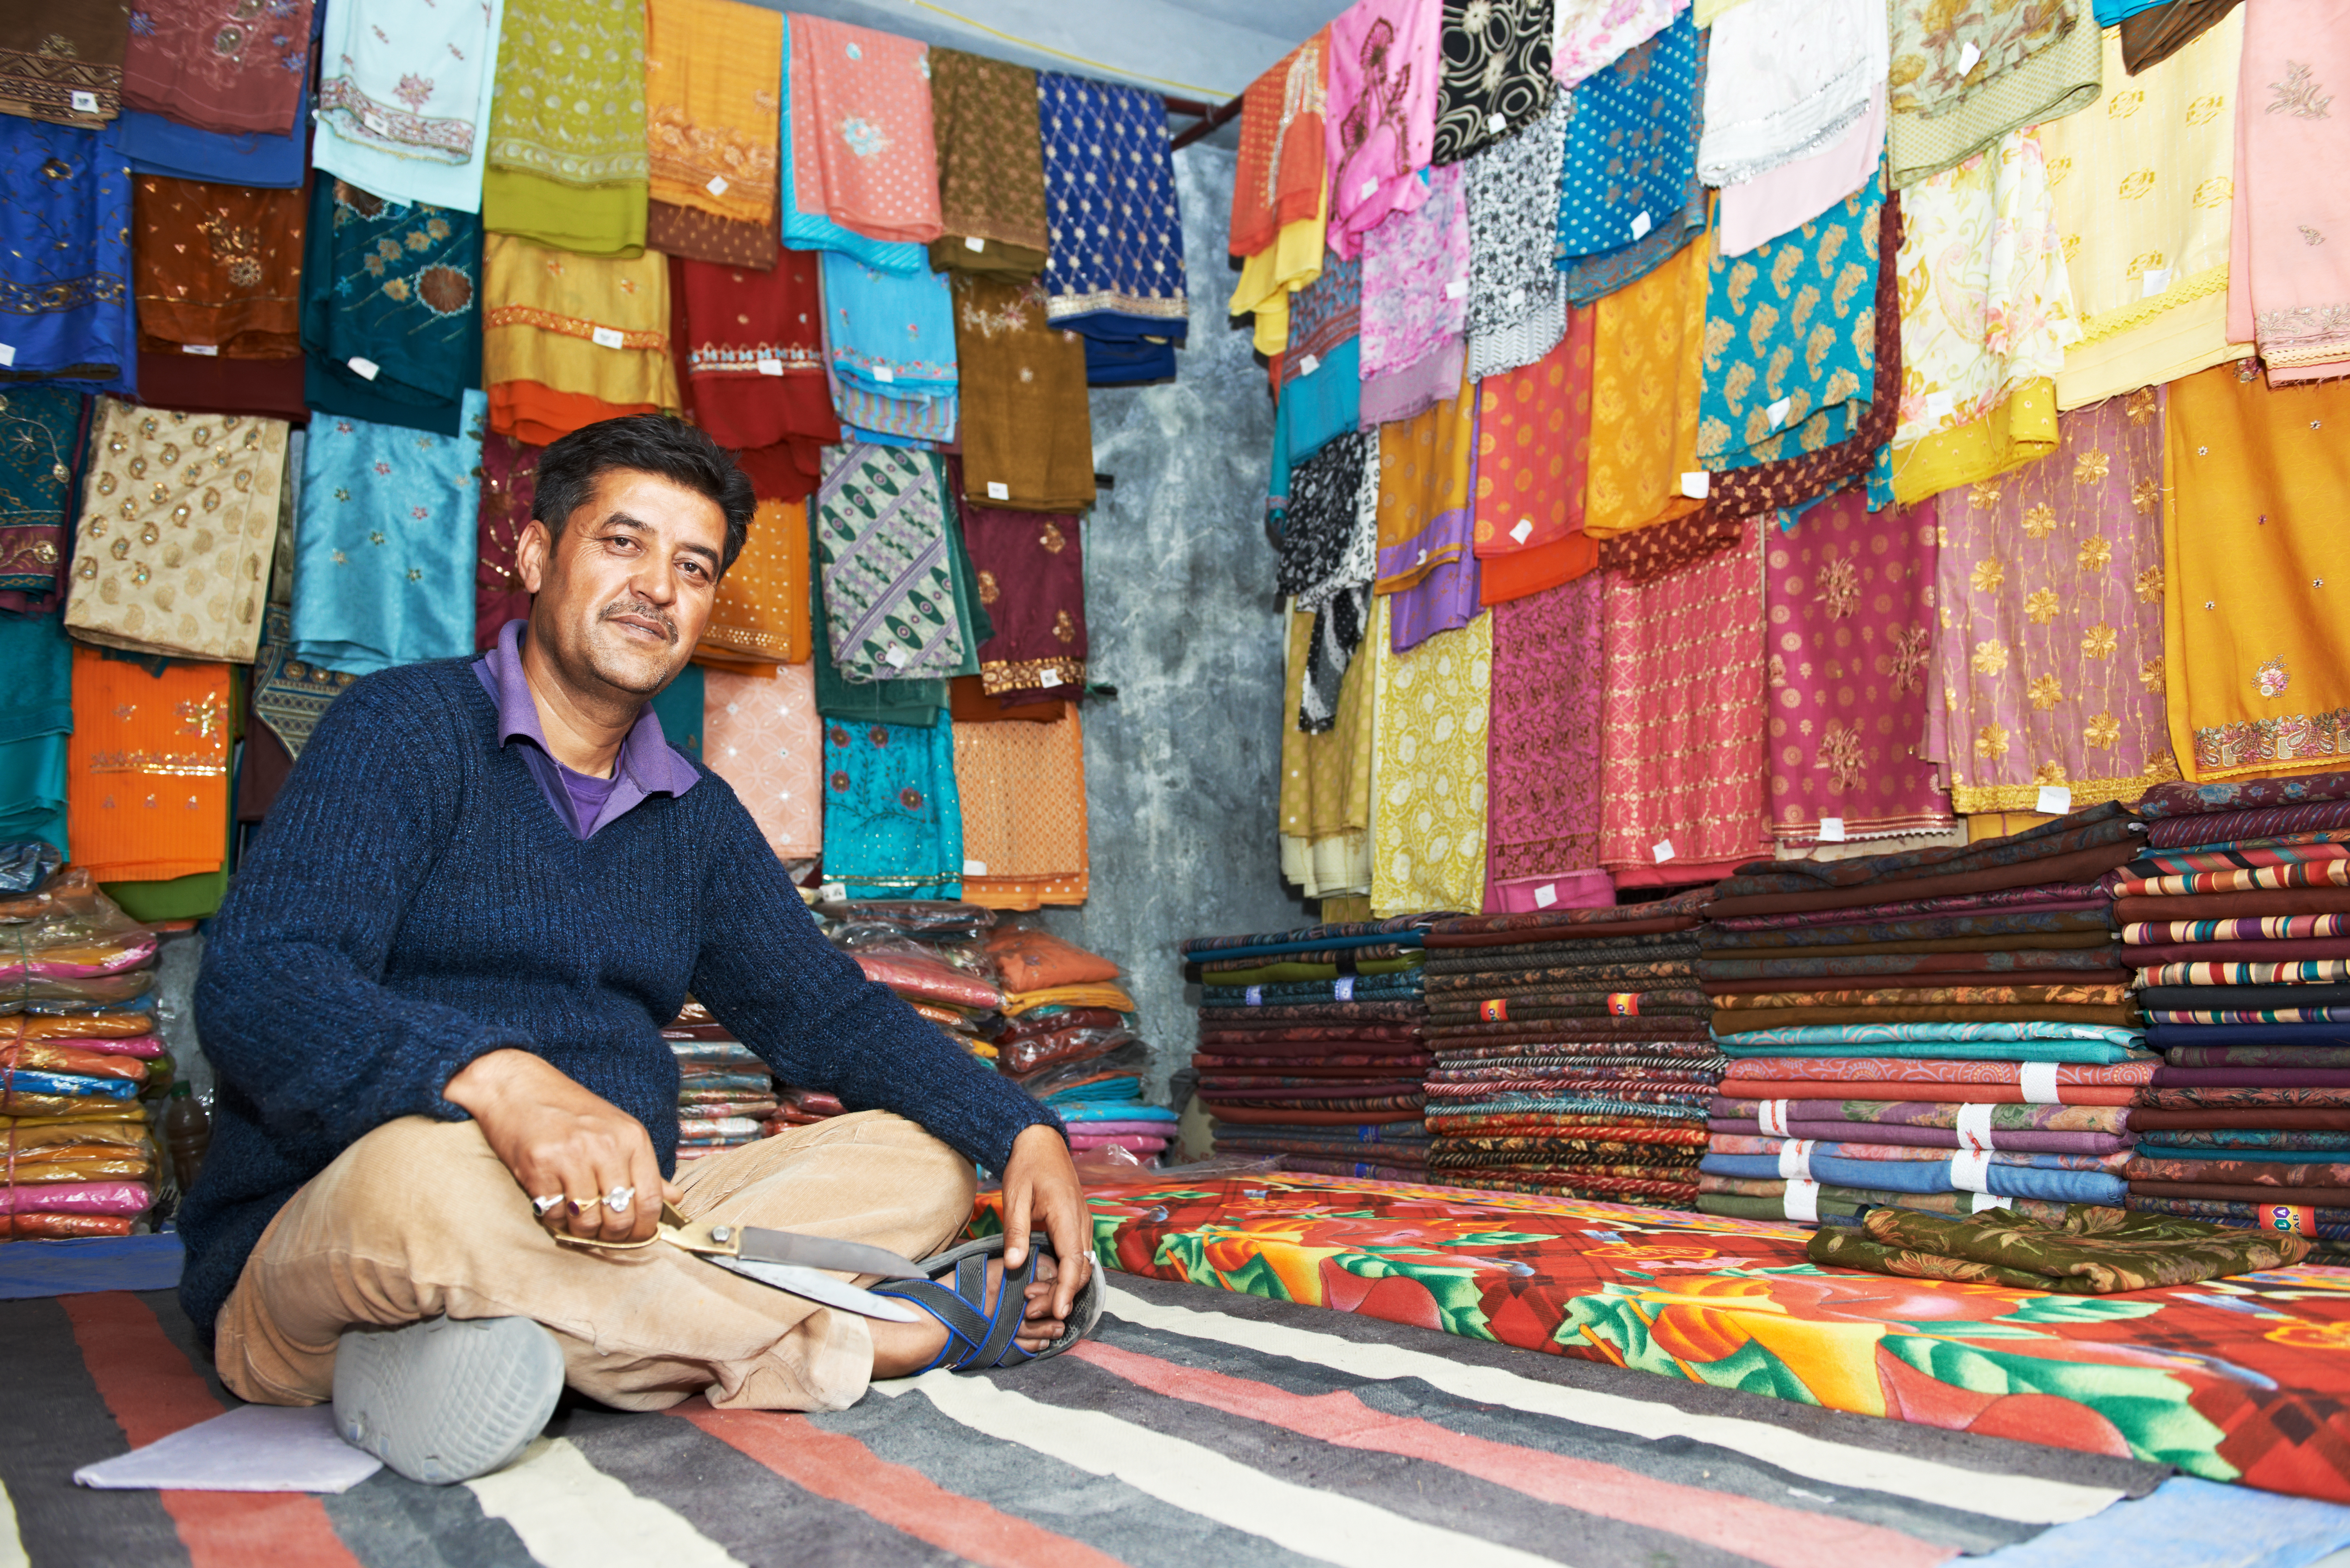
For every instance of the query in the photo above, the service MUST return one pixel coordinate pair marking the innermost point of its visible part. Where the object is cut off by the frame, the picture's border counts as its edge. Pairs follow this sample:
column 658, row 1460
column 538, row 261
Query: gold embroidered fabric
column 592, row 326
column 148, row 791
column 761, row 609
column 1648, row 366
column 218, row 268
column 713, row 91
column 1326, row 780
column 1022, row 788
column 179, row 519
column 1431, row 707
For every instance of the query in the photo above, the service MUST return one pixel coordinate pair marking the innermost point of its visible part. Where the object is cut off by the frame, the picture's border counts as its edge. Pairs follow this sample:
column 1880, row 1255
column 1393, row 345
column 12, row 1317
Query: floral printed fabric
column 2258, row 680
column 1496, row 73
column 1790, row 338
column 1851, row 604
column 1416, row 284
column 1682, row 747
column 2287, row 288
column 889, row 349
column 403, row 80
column 1543, row 758
column 862, row 143
column 1942, row 54
column 1517, row 301
column 40, row 435
column 1587, row 36
column 205, row 64
column 385, row 546
column 889, row 588
column 1379, row 124
column 1429, row 712
column 394, row 286
column 2059, row 79
column 2094, row 1250
column 892, row 818
column 2049, row 665
column 762, row 735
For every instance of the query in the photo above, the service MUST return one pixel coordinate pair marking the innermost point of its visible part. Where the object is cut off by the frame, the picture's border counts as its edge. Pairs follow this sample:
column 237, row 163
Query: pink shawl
column 1380, row 125
column 2289, row 249
column 862, row 148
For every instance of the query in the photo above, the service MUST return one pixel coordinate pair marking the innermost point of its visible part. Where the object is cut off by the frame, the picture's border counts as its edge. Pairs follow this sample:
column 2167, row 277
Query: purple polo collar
column 646, row 767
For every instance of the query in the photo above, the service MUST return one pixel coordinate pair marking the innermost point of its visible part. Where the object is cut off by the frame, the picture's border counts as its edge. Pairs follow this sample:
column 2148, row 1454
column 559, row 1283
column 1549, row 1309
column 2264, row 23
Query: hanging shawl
column 1318, row 380
column 1517, row 301
column 1022, row 794
column 1279, row 181
column 1963, row 81
column 888, row 589
column 64, row 257
column 1631, row 145
column 754, row 352
column 991, row 167
column 806, row 226
column 760, row 613
column 1338, row 626
column 1321, row 540
column 410, row 88
column 386, row 171
column 1588, row 35
column 1497, row 75
column 1429, row 712
column 140, row 737
column 862, row 136
column 231, row 76
column 568, row 159
column 1415, row 309
column 509, row 485
column 761, row 733
column 892, row 821
column 1543, row 752
column 713, row 86
column 1027, row 437
column 1533, row 450
column 40, row 437
column 2287, row 288
column 696, row 235
column 1031, row 576
column 2152, row 36
column 61, row 60
column 1116, row 272
column 1380, row 123
column 219, row 269
column 1756, row 211
column 1787, row 78
column 571, row 339
column 890, row 346
column 392, row 313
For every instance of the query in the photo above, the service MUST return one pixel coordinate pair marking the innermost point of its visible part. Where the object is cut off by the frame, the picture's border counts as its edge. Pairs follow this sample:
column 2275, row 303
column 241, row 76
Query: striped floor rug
column 1198, row 1428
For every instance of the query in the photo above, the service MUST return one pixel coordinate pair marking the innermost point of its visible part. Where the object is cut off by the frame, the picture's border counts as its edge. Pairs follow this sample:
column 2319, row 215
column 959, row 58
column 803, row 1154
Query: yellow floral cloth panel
column 1986, row 314
column 714, row 98
column 179, row 521
column 1429, row 714
column 1325, row 779
column 1647, row 367
column 2259, row 671
column 2048, row 660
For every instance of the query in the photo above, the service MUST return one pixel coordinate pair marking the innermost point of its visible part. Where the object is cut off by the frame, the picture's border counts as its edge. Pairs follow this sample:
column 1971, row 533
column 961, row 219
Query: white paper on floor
column 257, row 1447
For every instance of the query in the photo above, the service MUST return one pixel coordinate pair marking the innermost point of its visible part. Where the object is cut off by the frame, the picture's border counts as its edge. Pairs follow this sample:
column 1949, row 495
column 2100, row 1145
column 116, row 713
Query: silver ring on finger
column 549, row 1204
column 618, row 1198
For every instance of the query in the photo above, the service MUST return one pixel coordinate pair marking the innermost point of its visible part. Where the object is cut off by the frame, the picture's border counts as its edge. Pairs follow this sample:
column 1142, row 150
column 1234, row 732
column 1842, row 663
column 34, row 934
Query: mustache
column 639, row 607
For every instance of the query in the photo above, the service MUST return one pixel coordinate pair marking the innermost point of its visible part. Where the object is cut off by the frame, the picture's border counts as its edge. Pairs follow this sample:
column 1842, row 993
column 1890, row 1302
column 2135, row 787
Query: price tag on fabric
column 1307, row 366
column 372, row 120
column 1778, row 412
column 1978, row 1201
column 717, row 186
column 1697, row 486
column 833, row 892
column 84, row 103
column 1795, row 1158
column 1772, row 1117
column 2055, row 800
column 1832, row 830
column 1342, row 988
column 1523, row 531
column 771, row 367
column 1546, row 894
column 1496, row 123
column 209, row 350
column 895, row 658
column 2038, row 1082
column 998, row 491
column 1803, row 1201
column 1938, row 406
column 1457, row 289
column 1971, row 1170
column 7, row 354
column 1640, row 225
column 1968, row 57
column 606, row 337
column 885, row 375
column 1662, row 849
column 1974, row 1126
column 1253, row 996
column 1048, row 678
column 1517, row 298
column 364, row 368
column 1368, row 189
column 975, row 867
column 2153, row 281
column 974, row 243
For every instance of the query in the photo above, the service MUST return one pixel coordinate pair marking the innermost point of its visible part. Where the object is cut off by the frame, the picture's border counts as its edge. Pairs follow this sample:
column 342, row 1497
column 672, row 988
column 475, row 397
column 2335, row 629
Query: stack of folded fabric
column 1069, row 1041
column 1945, row 1030
column 1571, row 1051
column 724, row 1092
column 2237, row 918
column 933, row 954
column 1313, row 1048
column 77, row 1053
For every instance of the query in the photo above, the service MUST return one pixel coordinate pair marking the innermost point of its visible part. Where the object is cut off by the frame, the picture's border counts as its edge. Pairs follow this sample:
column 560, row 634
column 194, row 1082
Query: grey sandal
column 977, row 1339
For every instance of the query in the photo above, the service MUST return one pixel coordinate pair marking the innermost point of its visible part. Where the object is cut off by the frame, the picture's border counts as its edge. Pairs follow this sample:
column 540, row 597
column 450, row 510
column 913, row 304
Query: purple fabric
column 1445, row 599
column 2020, row 1141
column 2232, row 826
column 646, row 765
column 1404, row 394
column 2252, row 1077
column 1542, row 741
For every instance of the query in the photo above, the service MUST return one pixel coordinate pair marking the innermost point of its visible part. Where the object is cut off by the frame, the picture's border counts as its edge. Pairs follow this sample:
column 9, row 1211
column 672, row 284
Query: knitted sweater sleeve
column 767, row 973
column 289, row 1001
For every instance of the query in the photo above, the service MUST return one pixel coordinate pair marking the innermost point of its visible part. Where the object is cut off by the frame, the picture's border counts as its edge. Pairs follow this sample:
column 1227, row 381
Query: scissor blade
column 760, row 1246
column 822, row 1289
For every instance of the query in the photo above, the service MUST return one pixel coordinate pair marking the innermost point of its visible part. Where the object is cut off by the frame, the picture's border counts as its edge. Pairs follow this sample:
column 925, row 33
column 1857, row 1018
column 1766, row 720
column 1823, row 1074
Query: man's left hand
column 1041, row 1188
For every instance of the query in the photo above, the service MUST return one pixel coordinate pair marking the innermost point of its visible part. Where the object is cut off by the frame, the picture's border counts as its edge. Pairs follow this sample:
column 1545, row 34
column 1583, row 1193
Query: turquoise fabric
column 893, row 820
column 399, row 286
column 2093, row 1051
column 679, row 708
column 1865, row 1039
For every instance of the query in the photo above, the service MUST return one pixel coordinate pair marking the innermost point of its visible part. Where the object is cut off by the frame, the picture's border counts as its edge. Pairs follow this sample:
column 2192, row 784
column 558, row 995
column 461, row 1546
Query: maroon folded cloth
column 2308, row 1197
column 1216, row 1086
column 2252, row 1077
column 1278, row 1117
column 2080, row 865
column 2151, row 954
column 202, row 384
column 1317, row 1066
column 2025, row 1140
column 2146, row 1120
column 1933, row 980
column 1234, row 1044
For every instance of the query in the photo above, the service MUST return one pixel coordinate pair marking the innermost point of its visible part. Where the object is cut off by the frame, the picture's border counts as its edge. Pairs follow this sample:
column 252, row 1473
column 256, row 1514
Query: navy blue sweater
column 415, row 903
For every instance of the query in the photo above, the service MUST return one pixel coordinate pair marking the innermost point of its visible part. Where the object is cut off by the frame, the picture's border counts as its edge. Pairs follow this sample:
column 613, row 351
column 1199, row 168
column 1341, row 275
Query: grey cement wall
column 1182, row 766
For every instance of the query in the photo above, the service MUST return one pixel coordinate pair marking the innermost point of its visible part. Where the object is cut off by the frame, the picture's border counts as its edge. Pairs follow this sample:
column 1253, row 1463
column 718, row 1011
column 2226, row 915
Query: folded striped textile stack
column 1571, row 1051
column 1312, row 1045
column 724, row 1092
column 1947, row 1029
column 2237, row 920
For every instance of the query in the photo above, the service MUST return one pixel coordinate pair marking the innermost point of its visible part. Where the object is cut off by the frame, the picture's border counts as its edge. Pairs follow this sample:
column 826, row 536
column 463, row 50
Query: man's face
column 623, row 596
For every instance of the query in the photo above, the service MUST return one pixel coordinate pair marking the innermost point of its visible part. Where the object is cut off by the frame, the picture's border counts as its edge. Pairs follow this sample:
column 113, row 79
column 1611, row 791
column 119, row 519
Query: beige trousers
column 419, row 1218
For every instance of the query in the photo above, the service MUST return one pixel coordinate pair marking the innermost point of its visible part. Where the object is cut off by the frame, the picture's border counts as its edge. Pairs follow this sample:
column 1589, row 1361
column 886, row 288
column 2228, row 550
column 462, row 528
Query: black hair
column 650, row 443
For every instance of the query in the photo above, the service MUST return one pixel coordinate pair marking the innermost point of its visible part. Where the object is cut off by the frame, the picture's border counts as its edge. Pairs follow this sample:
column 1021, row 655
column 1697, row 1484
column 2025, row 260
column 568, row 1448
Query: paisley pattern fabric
column 888, row 589
column 1549, row 679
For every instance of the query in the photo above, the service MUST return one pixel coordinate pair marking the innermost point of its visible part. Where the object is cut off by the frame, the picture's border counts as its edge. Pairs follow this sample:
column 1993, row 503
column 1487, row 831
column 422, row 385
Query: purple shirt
column 645, row 766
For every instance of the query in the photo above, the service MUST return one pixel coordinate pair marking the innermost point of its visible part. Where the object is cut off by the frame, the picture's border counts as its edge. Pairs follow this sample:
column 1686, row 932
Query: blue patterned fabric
column 892, row 821
column 398, row 285
column 158, row 145
column 2004, row 1179
column 383, row 551
column 1790, row 338
column 1320, row 374
column 65, row 309
column 890, row 351
column 1631, row 149
column 815, row 232
column 1114, row 272
column 1864, row 1039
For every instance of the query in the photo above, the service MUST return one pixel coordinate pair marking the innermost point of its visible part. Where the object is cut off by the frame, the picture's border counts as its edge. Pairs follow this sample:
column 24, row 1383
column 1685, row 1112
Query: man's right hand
column 561, row 1140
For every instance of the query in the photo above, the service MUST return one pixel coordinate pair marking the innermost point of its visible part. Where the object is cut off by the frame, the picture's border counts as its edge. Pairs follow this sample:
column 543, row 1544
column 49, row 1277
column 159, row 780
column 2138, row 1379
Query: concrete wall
column 1182, row 766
